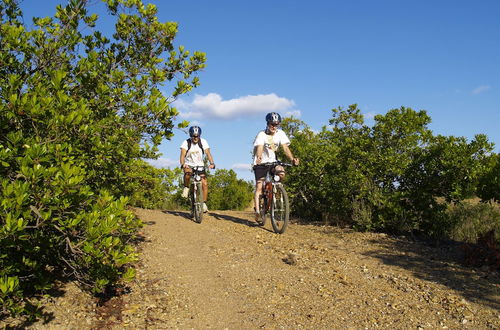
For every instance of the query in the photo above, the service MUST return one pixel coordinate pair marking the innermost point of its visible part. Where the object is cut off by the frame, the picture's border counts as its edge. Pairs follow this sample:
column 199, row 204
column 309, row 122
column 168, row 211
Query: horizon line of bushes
column 394, row 176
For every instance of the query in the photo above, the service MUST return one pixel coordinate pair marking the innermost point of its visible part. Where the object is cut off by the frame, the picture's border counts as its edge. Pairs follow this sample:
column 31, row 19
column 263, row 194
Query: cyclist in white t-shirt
column 265, row 145
column 192, row 151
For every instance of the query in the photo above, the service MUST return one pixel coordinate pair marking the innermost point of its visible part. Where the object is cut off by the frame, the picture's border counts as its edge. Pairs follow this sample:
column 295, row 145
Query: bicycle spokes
column 279, row 209
column 263, row 207
column 197, row 202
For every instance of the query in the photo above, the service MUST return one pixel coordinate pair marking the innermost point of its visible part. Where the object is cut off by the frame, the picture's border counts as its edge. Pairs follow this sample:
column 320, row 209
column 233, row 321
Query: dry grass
column 471, row 219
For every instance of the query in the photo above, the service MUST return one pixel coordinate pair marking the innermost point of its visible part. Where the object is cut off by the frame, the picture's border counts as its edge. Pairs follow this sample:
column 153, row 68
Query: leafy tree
column 332, row 171
column 489, row 182
column 447, row 170
column 150, row 187
column 397, row 138
column 395, row 176
column 227, row 192
column 77, row 110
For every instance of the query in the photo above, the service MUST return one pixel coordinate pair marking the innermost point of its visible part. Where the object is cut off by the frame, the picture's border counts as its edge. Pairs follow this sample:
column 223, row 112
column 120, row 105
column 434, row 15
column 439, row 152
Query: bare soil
column 229, row 273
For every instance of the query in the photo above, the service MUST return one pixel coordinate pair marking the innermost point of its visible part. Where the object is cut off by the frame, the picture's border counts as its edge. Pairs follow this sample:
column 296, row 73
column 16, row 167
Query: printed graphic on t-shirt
column 269, row 144
column 195, row 156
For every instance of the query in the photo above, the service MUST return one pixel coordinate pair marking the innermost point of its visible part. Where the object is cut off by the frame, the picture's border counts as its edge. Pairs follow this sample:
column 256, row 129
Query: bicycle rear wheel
column 198, row 202
column 280, row 210
column 263, row 210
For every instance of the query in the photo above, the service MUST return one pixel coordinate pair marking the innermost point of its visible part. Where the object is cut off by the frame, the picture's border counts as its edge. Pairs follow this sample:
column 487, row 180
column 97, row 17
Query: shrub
column 150, row 187
column 388, row 177
column 227, row 192
column 77, row 112
column 469, row 220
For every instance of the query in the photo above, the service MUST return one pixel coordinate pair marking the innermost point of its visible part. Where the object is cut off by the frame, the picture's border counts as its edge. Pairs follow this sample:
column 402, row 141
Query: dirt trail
column 228, row 273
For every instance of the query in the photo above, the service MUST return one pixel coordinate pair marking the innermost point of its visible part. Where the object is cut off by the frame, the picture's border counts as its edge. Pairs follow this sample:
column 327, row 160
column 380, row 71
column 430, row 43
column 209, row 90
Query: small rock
column 290, row 259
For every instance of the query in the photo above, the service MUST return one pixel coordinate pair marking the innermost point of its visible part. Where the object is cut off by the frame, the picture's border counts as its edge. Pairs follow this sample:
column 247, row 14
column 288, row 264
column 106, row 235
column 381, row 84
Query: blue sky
column 307, row 57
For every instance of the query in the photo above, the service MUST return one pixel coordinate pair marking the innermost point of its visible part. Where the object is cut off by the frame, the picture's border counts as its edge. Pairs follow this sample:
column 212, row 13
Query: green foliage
column 394, row 176
column 489, row 183
column 77, row 112
column 447, row 169
column 227, row 192
column 150, row 187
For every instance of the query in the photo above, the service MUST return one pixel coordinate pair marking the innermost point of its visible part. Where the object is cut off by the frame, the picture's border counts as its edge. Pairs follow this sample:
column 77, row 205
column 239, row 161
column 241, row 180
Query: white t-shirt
column 271, row 144
column 194, row 156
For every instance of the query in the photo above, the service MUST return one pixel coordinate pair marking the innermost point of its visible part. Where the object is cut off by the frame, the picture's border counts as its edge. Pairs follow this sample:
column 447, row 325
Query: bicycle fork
column 276, row 195
column 197, row 193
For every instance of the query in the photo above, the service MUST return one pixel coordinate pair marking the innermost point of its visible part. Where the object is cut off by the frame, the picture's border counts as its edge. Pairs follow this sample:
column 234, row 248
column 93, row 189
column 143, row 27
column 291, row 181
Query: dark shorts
column 260, row 171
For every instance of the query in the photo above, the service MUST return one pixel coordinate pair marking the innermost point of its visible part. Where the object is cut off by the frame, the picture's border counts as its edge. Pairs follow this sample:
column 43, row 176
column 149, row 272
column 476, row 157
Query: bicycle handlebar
column 197, row 168
column 274, row 163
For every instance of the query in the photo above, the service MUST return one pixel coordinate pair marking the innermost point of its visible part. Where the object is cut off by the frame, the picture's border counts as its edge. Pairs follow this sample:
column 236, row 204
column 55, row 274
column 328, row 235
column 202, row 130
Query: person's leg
column 204, row 185
column 260, row 174
column 258, row 190
column 187, row 177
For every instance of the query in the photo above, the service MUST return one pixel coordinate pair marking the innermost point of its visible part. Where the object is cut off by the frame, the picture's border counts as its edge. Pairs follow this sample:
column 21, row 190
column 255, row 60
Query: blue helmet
column 194, row 131
column 273, row 118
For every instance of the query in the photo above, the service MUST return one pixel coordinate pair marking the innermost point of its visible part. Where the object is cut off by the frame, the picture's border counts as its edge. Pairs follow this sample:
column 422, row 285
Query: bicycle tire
column 262, row 209
column 280, row 210
column 198, row 202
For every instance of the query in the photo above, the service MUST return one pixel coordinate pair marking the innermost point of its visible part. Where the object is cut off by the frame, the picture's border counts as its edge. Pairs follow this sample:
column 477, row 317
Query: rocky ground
column 228, row 273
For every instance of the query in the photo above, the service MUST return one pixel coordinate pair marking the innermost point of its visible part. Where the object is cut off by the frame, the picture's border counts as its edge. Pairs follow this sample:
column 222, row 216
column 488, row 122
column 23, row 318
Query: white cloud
column 242, row 166
column 162, row 162
column 195, row 123
column 213, row 106
column 481, row 89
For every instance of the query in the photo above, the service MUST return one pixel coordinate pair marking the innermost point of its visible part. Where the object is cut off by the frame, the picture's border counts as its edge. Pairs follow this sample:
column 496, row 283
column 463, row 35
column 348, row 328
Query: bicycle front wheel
column 280, row 210
column 198, row 202
column 263, row 210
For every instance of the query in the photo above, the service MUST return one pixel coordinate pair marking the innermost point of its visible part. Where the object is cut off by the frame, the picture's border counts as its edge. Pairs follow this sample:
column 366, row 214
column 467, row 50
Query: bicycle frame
column 273, row 200
column 196, row 193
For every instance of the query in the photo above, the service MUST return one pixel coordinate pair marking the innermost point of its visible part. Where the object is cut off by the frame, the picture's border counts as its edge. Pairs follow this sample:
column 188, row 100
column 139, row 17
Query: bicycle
column 273, row 200
column 196, row 193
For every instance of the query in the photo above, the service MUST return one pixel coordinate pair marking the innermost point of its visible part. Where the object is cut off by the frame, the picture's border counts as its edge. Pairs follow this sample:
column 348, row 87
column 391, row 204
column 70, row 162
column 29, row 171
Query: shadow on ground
column 441, row 264
column 25, row 321
column 231, row 218
column 217, row 216
column 183, row 214
column 243, row 221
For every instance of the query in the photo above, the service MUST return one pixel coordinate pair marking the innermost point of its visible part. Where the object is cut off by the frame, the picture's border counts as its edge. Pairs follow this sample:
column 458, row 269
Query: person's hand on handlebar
column 295, row 161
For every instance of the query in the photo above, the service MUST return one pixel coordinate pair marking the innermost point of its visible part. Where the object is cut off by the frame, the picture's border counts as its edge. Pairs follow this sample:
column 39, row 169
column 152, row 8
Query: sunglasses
column 274, row 125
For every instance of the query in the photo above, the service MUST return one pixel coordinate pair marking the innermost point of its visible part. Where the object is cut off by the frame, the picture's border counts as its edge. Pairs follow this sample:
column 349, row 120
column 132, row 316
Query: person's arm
column 183, row 157
column 210, row 158
column 259, row 149
column 288, row 153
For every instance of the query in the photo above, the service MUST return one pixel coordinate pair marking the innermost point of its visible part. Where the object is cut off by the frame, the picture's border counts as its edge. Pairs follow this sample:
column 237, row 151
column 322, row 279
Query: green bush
column 150, row 187
column 489, row 183
column 227, row 192
column 77, row 112
column 394, row 176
